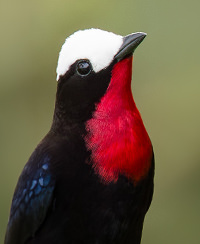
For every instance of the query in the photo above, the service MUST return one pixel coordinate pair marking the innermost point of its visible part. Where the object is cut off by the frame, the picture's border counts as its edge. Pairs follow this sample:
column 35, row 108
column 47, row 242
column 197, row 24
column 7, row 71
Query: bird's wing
column 32, row 199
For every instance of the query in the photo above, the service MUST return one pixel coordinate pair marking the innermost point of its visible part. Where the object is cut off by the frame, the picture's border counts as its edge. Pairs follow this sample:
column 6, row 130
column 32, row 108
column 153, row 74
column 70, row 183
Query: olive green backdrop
column 166, row 88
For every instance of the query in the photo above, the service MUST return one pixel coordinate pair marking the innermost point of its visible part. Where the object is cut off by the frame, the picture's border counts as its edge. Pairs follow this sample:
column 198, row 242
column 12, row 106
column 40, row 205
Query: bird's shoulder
column 31, row 200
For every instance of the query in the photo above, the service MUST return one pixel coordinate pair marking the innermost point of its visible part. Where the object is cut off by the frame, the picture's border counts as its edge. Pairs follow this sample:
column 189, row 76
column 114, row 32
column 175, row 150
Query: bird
column 91, row 179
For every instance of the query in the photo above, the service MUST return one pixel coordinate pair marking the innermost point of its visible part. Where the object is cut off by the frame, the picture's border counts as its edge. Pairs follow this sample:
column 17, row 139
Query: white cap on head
column 96, row 45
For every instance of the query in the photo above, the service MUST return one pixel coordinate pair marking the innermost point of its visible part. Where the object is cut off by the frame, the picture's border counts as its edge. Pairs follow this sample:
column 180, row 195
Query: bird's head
column 94, row 94
column 86, row 67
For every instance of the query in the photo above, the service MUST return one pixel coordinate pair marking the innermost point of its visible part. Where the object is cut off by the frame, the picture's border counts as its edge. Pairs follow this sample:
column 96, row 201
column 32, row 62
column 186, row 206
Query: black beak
column 129, row 45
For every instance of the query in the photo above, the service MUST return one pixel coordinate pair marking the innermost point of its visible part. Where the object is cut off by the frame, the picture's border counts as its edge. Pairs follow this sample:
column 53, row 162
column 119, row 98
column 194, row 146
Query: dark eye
column 83, row 67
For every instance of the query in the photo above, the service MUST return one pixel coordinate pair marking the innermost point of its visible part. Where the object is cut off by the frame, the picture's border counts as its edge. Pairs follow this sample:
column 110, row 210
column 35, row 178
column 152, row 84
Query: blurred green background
column 166, row 90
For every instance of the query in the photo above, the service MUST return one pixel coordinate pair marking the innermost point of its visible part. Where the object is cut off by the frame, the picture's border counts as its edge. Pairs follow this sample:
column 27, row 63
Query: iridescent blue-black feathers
column 31, row 200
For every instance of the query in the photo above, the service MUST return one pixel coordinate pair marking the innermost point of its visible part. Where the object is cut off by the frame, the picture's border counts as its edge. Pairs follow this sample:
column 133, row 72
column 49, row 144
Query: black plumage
column 76, row 207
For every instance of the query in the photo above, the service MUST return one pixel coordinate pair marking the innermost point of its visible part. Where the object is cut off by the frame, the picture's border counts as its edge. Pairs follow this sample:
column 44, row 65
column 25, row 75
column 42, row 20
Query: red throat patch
column 116, row 136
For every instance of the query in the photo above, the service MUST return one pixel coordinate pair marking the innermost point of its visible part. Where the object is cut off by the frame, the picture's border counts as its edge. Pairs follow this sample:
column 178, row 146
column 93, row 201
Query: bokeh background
column 166, row 89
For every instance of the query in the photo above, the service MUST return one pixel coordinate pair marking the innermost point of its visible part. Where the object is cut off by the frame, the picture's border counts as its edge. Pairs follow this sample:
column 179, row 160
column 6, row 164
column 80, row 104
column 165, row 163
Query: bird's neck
column 117, row 138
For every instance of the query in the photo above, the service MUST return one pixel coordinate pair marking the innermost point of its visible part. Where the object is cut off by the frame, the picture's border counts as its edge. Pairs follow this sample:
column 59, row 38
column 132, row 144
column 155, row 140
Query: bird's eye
column 83, row 67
